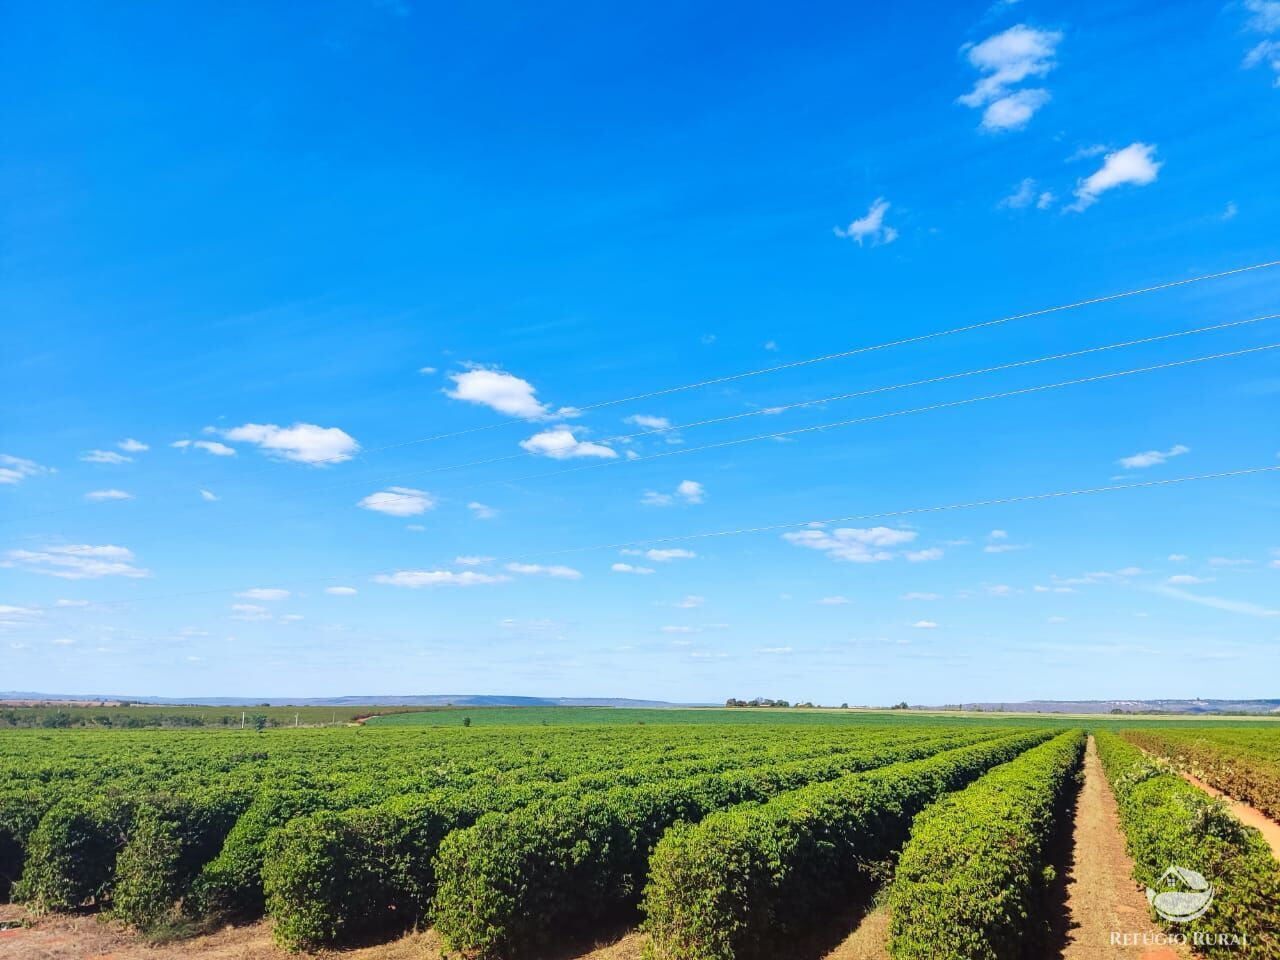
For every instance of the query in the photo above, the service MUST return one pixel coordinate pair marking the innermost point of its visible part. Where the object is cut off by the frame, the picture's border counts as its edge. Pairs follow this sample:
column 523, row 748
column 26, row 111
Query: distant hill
column 418, row 700
column 1129, row 706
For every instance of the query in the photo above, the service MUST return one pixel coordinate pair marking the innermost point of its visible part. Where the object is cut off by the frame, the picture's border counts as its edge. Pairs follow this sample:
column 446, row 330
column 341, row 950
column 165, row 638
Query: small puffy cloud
column 498, row 390
column 560, row 443
column 1025, row 194
column 631, row 568
column 666, row 555
column 688, row 491
column 341, row 591
column 426, row 371
column 301, row 443
column 130, row 445
column 264, row 593
column 1152, row 458
column 417, row 579
column 834, row 601
column 924, row 625
column 871, row 227
column 1177, row 557
column 208, row 446
column 649, row 422
column 1229, row 211
column 1186, row 580
column 771, row 346
column 71, row 603
column 923, row 556
column 208, row 496
column 853, row 544
column 1135, row 164
column 1004, row 547
column 399, row 502
column 17, row 469
column 104, row 456
column 537, row 569
column 920, row 596
column 99, row 496
column 77, row 562
column 249, row 612
column 998, row 535
column 472, row 561
column 1004, row 61
column 679, row 629
column 481, row 511
column 692, row 601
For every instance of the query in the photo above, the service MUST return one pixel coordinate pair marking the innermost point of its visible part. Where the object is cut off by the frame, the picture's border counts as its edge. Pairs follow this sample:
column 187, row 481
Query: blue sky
column 257, row 256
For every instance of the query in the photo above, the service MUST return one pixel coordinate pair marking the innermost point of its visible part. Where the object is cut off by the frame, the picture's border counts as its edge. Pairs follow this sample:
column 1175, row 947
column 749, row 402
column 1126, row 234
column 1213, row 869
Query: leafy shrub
column 513, row 882
column 976, row 866
column 1241, row 763
column 742, row 882
column 71, row 854
column 1168, row 821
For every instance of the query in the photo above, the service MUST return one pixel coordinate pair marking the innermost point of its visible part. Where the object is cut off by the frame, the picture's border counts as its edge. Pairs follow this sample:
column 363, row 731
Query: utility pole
column 241, row 719
column 295, row 721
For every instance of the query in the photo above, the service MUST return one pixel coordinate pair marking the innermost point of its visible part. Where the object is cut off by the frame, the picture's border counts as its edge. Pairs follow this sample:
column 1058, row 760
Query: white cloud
column 71, row 603
column 426, row 371
column 77, row 562
column 64, row 641
column 775, row 651
column 1005, row 60
column 1229, row 211
column 692, row 601
column 1004, row 547
column 399, row 502
column 1186, row 579
column 559, row 443
column 104, row 456
column 130, row 445
column 771, row 346
column 98, row 496
column 853, row 544
column 924, row 625
column 208, row 496
column 1152, row 458
column 1135, row 164
column 471, row 561
column 16, row 469
column 690, row 491
column 630, row 568
column 536, row 569
column 208, row 446
column 497, row 390
column 302, row 442
column 998, row 535
column 834, row 601
column 341, row 591
column 1177, row 557
column 923, row 556
column 481, row 511
column 920, row 596
column 649, row 422
column 1265, row 19
column 1229, row 562
column 415, row 579
column 870, row 227
column 264, row 593
column 1025, row 194
column 679, row 629
column 666, row 555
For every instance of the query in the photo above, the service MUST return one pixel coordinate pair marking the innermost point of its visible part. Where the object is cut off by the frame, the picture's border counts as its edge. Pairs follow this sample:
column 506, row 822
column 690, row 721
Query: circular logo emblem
column 1185, row 896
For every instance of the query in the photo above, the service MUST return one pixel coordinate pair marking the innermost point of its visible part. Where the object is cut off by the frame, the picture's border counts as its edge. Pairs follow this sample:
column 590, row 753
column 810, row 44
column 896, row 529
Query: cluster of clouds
column 1265, row 20
column 419, row 579
column 1005, row 62
column 77, row 562
column 686, row 491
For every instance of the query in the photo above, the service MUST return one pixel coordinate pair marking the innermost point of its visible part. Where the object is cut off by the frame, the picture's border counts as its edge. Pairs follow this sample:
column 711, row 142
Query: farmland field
column 520, row 833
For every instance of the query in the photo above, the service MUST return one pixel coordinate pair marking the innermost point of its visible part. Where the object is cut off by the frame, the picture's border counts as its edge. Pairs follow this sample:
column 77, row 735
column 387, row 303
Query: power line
column 781, row 434
column 768, row 411
column 771, row 411
column 855, row 351
column 768, row 528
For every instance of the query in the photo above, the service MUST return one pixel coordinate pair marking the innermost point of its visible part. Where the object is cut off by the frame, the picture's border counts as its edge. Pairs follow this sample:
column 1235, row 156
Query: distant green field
column 140, row 716
column 574, row 716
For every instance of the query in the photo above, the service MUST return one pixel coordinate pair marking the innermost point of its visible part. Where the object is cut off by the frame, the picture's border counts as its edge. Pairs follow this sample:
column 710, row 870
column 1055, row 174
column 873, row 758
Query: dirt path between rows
column 1101, row 896
column 94, row 938
column 869, row 939
column 1250, row 816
